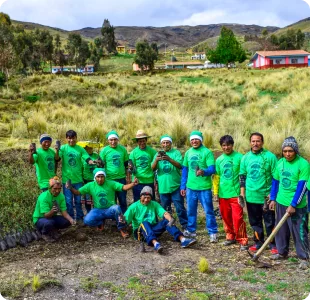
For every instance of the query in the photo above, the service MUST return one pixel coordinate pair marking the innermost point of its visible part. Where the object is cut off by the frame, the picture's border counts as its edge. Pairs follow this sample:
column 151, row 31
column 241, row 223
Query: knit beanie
column 195, row 135
column 166, row 137
column 112, row 135
column 45, row 137
column 291, row 142
column 147, row 190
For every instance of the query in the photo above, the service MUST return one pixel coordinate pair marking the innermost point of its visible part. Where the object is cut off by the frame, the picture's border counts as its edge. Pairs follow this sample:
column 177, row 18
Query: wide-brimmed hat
column 141, row 135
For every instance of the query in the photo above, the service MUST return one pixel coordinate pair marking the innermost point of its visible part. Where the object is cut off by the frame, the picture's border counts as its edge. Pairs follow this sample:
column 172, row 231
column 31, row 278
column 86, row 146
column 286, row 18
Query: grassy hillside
column 303, row 25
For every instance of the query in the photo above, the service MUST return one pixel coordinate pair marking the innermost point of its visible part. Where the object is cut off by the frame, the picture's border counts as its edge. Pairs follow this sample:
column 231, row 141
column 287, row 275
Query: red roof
column 282, row 53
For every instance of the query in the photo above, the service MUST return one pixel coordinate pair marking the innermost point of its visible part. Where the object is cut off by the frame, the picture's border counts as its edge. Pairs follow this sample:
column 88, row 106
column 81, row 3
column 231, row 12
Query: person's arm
column 129, row 186
column 300, row 193
column 172, row 161
column 216, row 185
column 72, row 189
column 208, row 172
column 67, row 216
column 273, row 193
column 51, row 213
column 156, row 159
column 30, row 154
column 184, row 180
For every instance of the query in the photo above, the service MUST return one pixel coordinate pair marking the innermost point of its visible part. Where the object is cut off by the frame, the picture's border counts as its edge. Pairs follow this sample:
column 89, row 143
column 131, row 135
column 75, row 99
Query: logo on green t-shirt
column 254, row 173
column 72, row 159
column 228, row 170
column 286, row 181
column 143, row 161
column 102, row 198
column 116, row 159
column 148, row 217
column 194, row 162
column 167, row 167
column 50, row 163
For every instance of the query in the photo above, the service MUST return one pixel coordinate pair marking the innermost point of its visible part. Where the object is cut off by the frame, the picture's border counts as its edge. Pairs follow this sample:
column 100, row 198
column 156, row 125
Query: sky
column 77, row 14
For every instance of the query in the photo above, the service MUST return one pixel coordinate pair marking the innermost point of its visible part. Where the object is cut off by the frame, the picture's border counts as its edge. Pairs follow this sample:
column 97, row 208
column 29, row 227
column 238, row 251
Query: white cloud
column 205, row 17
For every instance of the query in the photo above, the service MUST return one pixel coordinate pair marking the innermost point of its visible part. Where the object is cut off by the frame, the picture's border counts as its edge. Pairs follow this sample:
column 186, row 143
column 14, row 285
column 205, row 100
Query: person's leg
column 238, row 222
column 192, row 205
column 255, row 213
column 226, row 213
column 282, row 238
column 45, row 226
column 61, row 222
column 205, row 198
column 178, row 201
column 94, row 217
column 165, row 201
column 270, row 220
column 146, row 229
column 298, row 224
column 78, row 204
column 173, row 230
column 115, row 213
column 69, row 201
column 122, row 196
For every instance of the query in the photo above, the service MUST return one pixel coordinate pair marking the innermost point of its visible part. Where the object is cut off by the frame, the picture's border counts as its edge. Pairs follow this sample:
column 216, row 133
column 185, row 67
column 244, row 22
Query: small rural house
column 121, row 49
column 135, row 67
column 88, row 69
column 280, row 59
column 199, row 56
column 181, row 64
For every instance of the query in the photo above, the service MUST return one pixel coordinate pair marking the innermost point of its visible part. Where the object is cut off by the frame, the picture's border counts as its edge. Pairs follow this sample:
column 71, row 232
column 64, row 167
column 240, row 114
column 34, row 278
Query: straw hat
column 140, row 135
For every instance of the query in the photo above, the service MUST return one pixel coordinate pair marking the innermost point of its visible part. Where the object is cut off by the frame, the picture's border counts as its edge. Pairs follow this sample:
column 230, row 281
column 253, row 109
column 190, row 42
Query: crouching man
column 46, row 215
column 102, row 192
column 143, row 216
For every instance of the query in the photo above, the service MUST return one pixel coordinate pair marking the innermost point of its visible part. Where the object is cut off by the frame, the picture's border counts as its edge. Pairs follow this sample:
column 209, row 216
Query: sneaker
column 304, row 265
column 158, row 248
column 186, row 233
column 229, row 242
column 213, row 238
column 274, row 250
column 124, row 233
column 278, row 256
column 244, row 247
column 254, row 248
column 188, row 242
column 47, row 238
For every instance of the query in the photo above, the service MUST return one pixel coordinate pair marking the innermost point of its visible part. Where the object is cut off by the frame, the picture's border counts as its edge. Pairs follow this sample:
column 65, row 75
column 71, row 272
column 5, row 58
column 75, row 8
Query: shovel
column 270, row 238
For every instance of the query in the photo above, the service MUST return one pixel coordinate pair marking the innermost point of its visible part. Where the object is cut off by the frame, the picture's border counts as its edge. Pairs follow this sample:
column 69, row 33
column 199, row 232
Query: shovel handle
column 271, row 236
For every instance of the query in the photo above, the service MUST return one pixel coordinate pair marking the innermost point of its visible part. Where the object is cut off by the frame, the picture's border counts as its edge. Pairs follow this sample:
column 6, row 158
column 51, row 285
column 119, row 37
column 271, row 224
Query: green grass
column 196, row 80
column 118, row 63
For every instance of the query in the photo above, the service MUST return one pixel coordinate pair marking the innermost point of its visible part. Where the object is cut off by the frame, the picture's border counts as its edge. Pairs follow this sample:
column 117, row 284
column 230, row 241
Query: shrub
column 2, row 79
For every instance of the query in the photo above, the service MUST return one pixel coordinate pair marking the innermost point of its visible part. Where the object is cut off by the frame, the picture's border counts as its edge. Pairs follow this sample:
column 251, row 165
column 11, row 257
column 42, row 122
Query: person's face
column 72, row 140
column 166, row 145
column 142, row 143
column 100, row 179
column 195, row 143
column 89, row 150
column 46, row 145
column 56, row 189
column 289, row 153
column 113, row 142
column 145, row 199
column 227, row 148
column 256, row 143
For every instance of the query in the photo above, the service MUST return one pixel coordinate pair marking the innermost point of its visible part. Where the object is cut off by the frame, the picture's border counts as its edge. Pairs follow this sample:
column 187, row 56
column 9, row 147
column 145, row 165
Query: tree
column 5, row 19
column 24, row 47
column 95, row 52
column 300, row 39
column 58, row 56
column 228, row 49
column 108, row 37
column 265, row 33
column 145, row 56
column 45, row 46
column 78, row 50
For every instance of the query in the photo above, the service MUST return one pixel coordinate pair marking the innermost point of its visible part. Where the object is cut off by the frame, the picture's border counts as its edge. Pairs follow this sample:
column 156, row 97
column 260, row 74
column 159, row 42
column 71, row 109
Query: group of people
column 268, row 187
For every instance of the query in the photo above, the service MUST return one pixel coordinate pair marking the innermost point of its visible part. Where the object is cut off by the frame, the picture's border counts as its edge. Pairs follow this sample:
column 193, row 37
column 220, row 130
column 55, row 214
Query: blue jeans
column 178, row 202
column 97, row 215
column 77, row 201
column 136, row 190
column 309, row 201
column 205, row 198
column 45, row 226
column 121, row 196
column 152, row 232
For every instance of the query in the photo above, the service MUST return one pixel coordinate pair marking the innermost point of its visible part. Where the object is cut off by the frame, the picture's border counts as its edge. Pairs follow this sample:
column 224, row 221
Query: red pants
column 234, row 225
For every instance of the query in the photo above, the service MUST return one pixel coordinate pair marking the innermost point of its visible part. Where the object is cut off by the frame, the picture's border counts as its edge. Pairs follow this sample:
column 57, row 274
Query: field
column 217, row 102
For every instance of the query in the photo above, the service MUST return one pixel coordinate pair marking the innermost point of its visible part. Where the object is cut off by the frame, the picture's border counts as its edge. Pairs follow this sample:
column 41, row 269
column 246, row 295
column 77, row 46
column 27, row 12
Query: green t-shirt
column 288, row 174
column 138, row 213
column 45, row 203
column 203, row 158
column 114, row 160
column 89, row 169
column 44, row 161
column 169, row 176
column 103, row 195
column 72, row 162
column 228, row 168
column 258, row 169
column 142, row 159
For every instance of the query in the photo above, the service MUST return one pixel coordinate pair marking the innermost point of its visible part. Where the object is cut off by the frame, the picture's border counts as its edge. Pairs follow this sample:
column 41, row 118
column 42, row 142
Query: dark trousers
column 121, row 196
column 256, row 216
column 152, row 232
column 136, row 190
column 45, row 226
column 297, row 226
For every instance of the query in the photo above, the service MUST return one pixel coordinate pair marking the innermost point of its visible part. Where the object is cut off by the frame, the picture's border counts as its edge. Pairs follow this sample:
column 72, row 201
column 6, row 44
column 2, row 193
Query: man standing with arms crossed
column 256, row 170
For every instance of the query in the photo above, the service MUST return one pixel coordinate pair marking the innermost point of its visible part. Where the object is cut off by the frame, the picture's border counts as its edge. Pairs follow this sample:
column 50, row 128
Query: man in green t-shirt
column 196, row 183
column 256, row 170
column 144, row 216
column 226, row 190
column 168, row 164
column 72, row 157
column 289, row 192
column 139, row 164
column 45, row 216
column 115, row 158
column 103, row 194
column 44, row 161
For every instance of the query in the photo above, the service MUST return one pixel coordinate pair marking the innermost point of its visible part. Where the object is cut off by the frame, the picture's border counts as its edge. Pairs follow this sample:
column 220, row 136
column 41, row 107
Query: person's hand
column 57, row 147
column 241, row 201
column 31, row 148
column 272, row 205
column 136, row 181
column 171, row 222
column 183, row 193
column 158, row 157
column 291, row 210
column 92, row 162
column 165, row 157
column 199, row 172
column 69, row 184
column 54, row 209
column 73, row 222
column 216, row 198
